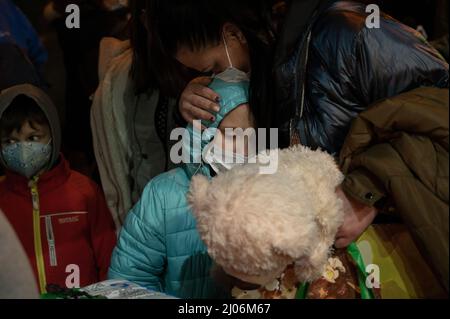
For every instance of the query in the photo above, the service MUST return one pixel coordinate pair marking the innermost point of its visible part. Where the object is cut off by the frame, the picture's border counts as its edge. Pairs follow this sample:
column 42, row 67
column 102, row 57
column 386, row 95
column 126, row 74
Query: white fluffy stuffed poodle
column 256, row 225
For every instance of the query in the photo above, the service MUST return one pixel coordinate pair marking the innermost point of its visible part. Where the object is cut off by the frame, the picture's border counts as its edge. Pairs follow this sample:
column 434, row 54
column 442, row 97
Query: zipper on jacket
column 304, row 67
column 51, row 241
column 296, row 136
column 37, row 235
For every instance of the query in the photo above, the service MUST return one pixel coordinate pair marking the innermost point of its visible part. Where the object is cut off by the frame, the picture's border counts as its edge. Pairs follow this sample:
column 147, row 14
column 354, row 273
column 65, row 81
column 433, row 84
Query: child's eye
column 34, row 138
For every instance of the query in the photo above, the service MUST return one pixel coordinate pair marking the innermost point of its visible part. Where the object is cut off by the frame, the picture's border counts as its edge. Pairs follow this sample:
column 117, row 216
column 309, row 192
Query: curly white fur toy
column 256, row 225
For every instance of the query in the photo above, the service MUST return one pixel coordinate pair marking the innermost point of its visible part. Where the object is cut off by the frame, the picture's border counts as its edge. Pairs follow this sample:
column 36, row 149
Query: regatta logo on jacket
column 71, row 219
column 68, row 220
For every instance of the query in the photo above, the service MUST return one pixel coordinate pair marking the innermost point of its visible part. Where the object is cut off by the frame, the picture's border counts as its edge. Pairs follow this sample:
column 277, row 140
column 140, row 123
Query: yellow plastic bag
column 404, row 274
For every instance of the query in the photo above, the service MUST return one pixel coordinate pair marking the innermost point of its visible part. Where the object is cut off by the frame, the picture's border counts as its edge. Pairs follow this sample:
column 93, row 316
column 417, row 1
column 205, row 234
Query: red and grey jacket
column 64, row 225
column 61, row 216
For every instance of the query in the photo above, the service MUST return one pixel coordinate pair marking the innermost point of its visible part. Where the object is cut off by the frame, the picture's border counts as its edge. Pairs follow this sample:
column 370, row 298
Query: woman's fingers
column 342, row 242
column 206, row 94
column 196, row 113
column 203, row 80
column 200, row 87
column 340, row 238
column 186, row 115
column 197, row 100
column 205, row 104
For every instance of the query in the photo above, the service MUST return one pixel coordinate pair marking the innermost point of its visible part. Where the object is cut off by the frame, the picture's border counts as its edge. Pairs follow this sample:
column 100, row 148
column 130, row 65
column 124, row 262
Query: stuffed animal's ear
column 310, row 259
column 198, row 196
column 296, row 242
column 311, row 268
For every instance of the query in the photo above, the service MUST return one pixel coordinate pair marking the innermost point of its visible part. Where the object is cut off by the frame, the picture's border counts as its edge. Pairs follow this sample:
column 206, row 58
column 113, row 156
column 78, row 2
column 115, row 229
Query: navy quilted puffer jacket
column 334, row 67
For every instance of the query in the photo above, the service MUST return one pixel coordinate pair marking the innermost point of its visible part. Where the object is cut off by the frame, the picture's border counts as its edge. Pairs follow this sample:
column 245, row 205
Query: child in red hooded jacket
column 60, row 216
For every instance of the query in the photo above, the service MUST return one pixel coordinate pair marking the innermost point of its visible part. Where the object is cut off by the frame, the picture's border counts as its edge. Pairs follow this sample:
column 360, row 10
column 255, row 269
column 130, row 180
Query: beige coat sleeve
column 108, row 121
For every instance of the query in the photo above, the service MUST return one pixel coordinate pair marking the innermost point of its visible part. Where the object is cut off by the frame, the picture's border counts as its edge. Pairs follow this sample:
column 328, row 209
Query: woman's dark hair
column 22, row 109
column 140, row 68
column 150, row 69
column 171, row 24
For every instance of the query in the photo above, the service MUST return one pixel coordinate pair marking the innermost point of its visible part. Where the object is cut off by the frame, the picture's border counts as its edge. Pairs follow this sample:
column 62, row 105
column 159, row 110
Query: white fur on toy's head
column 254, row 224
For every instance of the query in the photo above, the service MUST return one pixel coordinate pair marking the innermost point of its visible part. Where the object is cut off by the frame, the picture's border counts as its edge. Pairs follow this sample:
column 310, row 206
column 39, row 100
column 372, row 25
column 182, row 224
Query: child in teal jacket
column 159, row 246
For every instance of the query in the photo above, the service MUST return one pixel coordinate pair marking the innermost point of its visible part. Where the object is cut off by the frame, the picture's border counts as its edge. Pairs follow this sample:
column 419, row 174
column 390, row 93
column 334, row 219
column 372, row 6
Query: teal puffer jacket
column 159, row 246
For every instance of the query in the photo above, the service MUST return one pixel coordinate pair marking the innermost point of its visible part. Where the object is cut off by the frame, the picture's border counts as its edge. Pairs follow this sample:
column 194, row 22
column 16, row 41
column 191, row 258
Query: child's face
column 29, row 132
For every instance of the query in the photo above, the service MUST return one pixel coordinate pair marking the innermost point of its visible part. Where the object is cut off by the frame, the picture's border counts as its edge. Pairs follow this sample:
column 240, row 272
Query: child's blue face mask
column 27, row 158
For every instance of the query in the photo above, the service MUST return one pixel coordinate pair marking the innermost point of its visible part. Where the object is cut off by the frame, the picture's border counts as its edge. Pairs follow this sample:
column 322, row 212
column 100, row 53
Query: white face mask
column 231, row 74
column 221, row 161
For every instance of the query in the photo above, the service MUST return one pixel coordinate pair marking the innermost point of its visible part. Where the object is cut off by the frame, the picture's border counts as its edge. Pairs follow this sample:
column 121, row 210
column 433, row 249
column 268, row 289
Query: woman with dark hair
column 131, row 121
column 197, row 34
column 313, row 68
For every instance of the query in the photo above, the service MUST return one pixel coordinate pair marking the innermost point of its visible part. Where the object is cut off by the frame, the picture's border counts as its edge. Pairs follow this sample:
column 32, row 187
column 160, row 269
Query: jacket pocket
column 51, row 241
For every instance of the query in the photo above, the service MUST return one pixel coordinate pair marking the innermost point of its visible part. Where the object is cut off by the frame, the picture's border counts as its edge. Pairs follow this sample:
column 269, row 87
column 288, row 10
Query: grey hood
column 46, row 105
